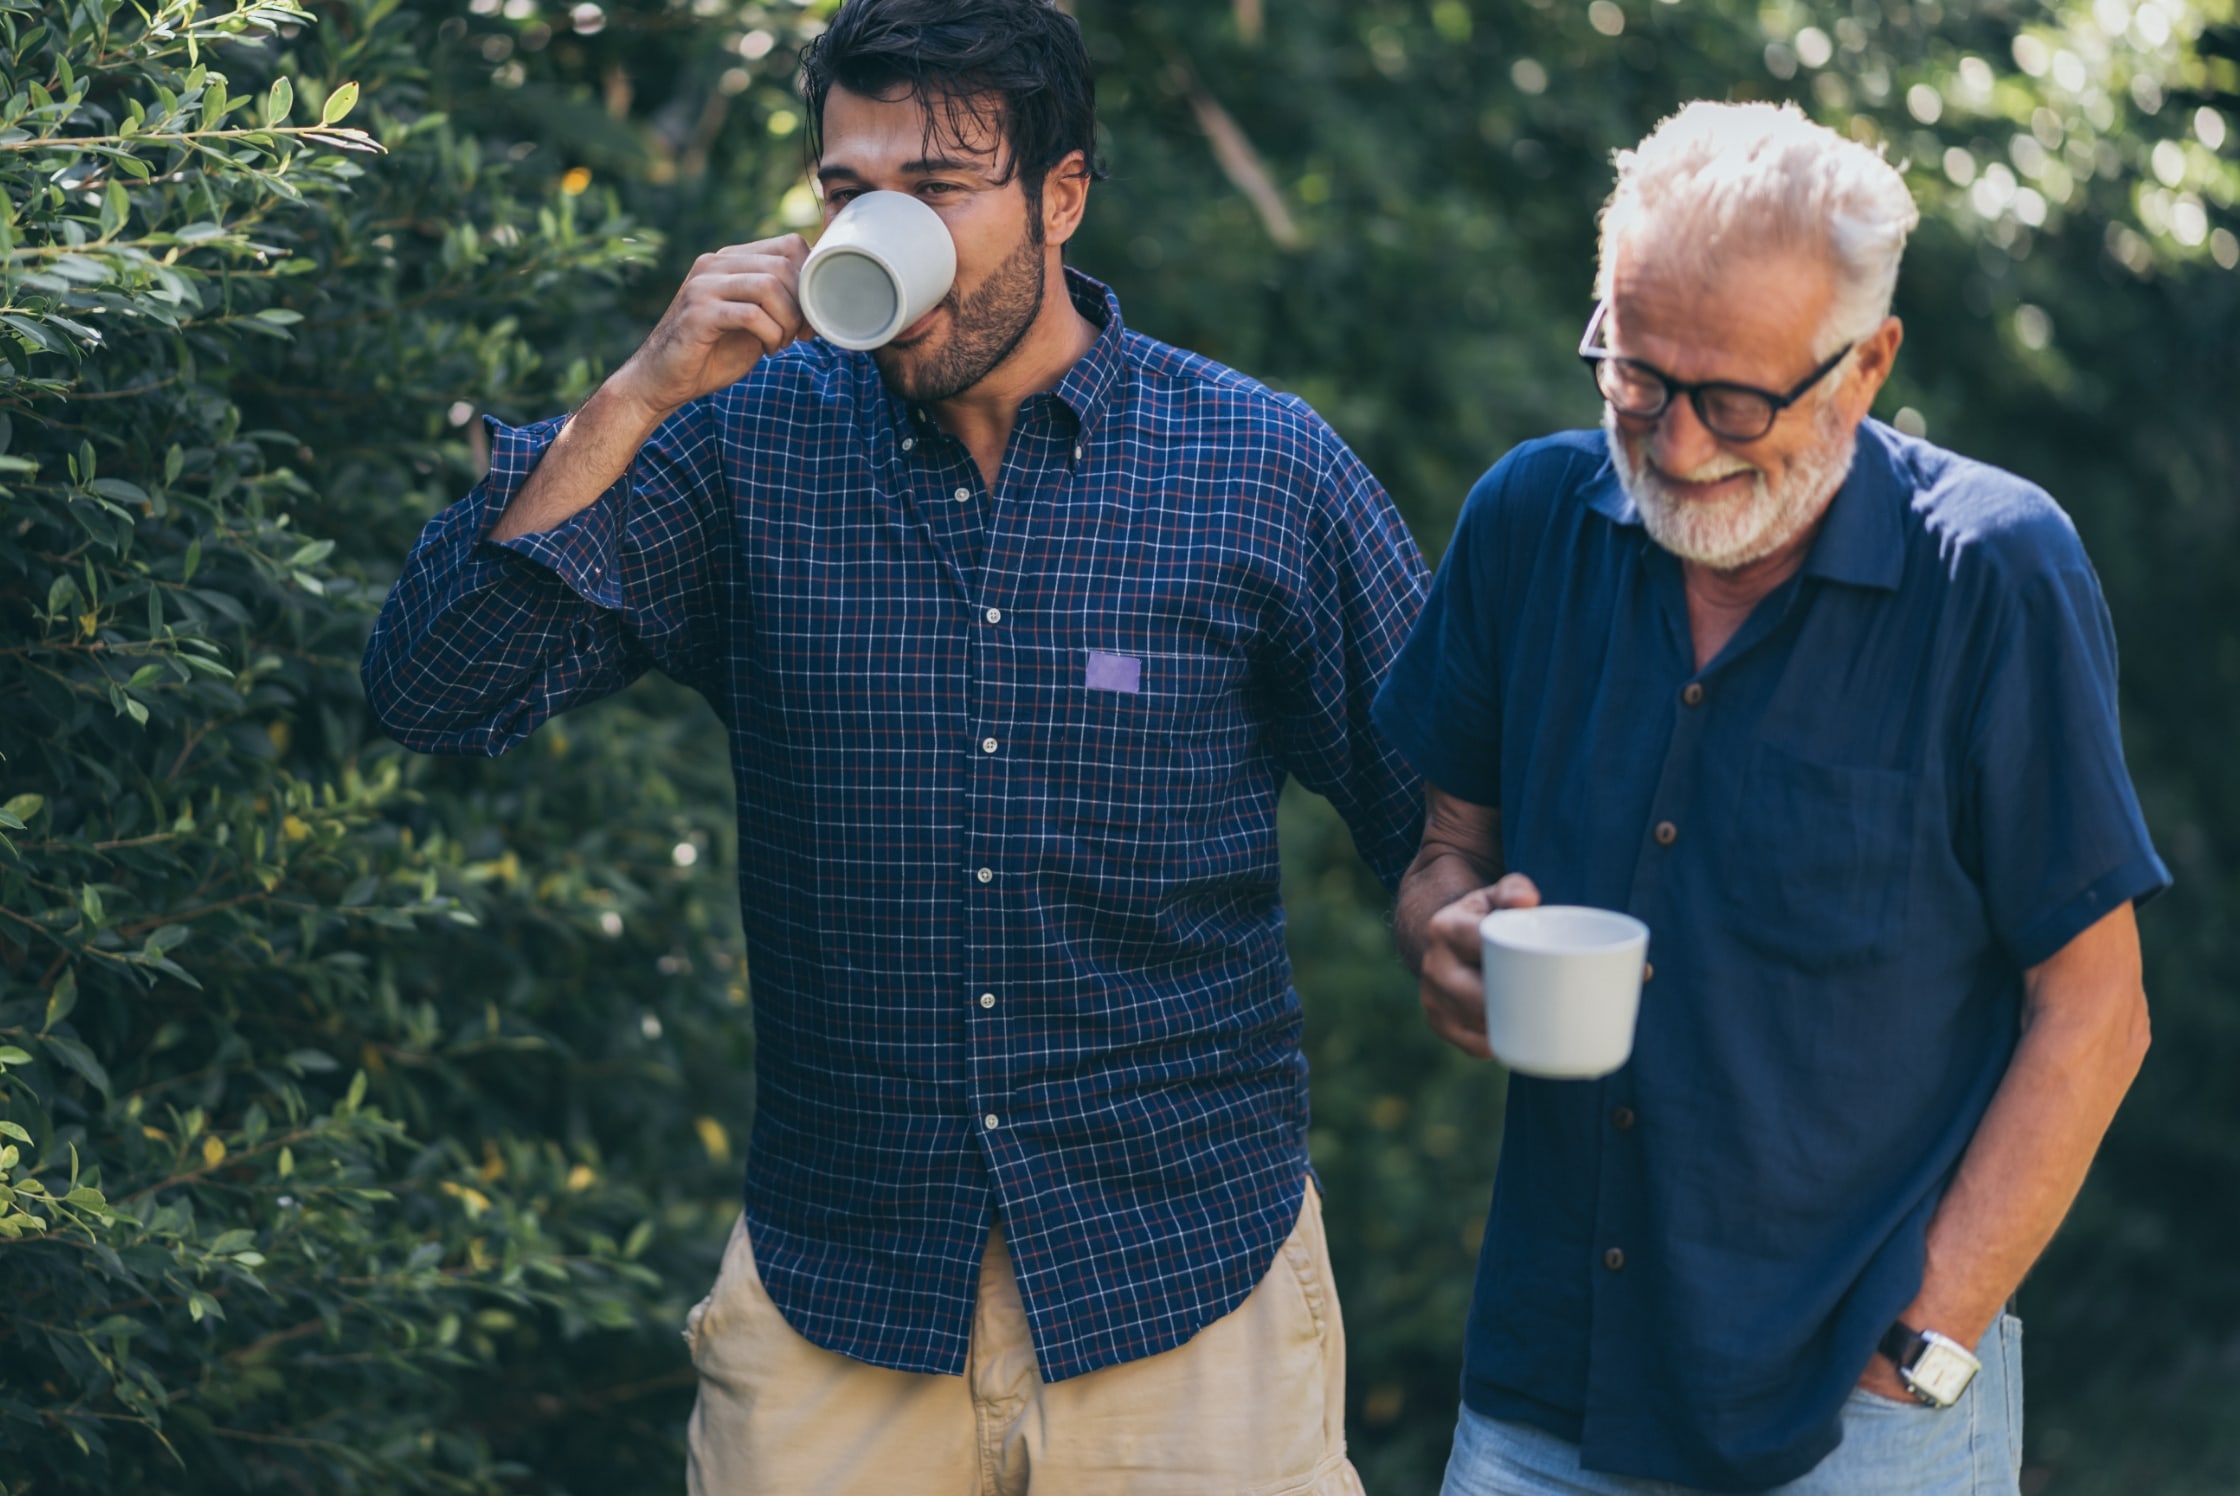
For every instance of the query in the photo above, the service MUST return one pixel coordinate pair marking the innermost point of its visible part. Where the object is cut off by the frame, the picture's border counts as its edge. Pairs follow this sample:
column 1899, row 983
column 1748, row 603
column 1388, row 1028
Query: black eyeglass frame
column 1595, row 358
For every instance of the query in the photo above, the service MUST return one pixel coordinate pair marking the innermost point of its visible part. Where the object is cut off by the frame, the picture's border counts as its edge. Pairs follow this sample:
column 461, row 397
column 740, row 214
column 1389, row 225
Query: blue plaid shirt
column 1008, row 763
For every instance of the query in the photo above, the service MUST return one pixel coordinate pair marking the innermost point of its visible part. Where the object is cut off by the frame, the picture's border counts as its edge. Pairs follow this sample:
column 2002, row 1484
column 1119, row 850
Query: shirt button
column 963, row 494
column 1622, row 1119
column 1692, row 693
column 986, row 875
column 995, row 615
column 1612, row 1259
column 987, row 999
column 909, row 443
column 1667, row 833
column 987, row 745
column 990, row 1122
column 1076, row 454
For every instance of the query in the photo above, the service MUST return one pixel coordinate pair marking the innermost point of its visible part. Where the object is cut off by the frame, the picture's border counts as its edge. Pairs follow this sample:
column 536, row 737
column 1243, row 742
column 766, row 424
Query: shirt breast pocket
column 1144, row 757
column 1822, row 861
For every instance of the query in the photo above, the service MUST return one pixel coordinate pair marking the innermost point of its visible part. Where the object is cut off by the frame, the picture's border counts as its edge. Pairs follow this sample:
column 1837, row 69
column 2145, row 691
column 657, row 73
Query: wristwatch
column 1935, row 1368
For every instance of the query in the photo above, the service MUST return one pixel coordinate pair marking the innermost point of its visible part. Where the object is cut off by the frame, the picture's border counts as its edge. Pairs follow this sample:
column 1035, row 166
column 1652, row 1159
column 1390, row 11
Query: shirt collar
column 1088, row 385
column 1861, row 540
column 1862, row 537
column 1086, row 388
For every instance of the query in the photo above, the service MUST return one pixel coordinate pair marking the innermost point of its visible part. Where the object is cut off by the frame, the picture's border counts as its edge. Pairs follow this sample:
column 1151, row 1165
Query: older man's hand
column 1451, row 986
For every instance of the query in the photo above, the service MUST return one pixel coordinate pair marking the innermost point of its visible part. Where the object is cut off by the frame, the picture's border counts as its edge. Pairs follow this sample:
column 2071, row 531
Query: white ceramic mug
column 1562, row 986
column 884, row 261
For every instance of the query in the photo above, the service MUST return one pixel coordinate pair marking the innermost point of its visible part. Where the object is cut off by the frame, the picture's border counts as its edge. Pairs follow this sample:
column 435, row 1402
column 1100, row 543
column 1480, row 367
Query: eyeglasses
column 1733, row 412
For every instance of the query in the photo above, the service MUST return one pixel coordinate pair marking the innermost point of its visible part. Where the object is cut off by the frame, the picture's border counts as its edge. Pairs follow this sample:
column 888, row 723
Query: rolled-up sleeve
column 2061, row 837
column 482, row 640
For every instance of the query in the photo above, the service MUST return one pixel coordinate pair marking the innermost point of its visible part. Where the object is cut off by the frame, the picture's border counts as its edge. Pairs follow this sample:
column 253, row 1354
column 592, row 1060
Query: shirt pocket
column 1142, row 766
column 1822, row 861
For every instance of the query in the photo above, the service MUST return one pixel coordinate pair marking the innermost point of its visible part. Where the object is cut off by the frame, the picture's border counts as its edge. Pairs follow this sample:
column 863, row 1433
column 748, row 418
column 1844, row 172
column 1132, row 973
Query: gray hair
column 1722, row 181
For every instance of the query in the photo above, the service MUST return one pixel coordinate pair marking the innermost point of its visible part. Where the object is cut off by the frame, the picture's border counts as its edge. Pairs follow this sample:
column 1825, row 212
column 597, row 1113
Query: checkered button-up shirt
column 1008, row 761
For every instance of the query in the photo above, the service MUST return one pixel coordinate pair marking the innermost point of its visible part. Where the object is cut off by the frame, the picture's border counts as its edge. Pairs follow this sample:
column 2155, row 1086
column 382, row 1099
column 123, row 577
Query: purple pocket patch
column 1115, row 673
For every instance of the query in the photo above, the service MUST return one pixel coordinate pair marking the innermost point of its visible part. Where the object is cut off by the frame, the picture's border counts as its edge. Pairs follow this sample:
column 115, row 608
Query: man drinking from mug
column 1017, row 626
column 1833, row 712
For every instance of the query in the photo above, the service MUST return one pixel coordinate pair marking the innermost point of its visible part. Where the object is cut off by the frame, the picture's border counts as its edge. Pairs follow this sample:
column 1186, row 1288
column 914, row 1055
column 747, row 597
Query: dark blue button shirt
column 1899, row 787
column 1008, row 761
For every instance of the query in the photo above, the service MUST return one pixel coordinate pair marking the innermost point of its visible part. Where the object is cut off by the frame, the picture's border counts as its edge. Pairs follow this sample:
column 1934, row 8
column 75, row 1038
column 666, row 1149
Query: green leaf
column 62, row 999
column 279, row 316
column 339, row 103
column 10, row 1055
column 193, row 559
column 13, row 1130
column 24, row 807
column 278, row 100
column 118, row 489
column 312, row 554
column 80, row 1059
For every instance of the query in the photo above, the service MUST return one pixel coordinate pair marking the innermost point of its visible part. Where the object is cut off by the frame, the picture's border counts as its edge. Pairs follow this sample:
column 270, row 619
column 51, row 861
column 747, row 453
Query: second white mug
column 884, row 261
column 1563, row 987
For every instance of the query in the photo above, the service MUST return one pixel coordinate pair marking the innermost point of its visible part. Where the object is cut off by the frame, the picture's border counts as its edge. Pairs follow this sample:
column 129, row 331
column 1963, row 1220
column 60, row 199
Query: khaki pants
column 1254, row 1405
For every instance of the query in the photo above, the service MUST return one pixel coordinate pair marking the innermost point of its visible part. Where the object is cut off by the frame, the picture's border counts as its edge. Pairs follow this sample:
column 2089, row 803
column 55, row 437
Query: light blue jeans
column 1973, row 1448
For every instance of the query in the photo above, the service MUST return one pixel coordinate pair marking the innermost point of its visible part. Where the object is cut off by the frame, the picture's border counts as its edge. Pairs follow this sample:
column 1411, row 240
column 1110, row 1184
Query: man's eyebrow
column 925, row 166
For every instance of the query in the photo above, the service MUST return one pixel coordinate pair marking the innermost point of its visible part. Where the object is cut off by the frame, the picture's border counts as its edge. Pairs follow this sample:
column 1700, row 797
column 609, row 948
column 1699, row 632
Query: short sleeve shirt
column 1900, row 786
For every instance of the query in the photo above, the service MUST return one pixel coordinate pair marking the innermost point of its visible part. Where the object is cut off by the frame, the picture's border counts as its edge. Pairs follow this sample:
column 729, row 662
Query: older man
column 1834, row 712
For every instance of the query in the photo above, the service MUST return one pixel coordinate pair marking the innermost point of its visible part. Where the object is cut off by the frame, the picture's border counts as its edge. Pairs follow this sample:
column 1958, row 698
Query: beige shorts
column 1253, row 1405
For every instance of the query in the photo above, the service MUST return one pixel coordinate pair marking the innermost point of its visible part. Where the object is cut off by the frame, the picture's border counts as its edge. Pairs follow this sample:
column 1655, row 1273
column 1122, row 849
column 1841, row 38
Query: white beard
column 1729, row 534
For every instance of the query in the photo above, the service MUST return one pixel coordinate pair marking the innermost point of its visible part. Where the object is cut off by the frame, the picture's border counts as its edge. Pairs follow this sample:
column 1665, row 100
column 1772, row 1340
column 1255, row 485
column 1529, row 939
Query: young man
column 1833, row 711
column 1018, row 626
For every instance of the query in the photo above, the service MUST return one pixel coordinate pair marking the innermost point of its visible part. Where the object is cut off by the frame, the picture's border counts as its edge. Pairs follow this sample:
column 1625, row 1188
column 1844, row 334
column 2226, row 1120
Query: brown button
column 1667, row 833
column 1622, row 1119
column 1613, row 1259
column 1692, row 693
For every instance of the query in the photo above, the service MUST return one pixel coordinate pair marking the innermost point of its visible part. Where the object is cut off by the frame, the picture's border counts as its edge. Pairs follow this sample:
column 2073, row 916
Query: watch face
column 1942, row 1372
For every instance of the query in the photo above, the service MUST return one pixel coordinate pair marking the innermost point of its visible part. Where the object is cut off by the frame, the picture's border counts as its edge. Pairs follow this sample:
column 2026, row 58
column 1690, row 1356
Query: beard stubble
column 985, row 328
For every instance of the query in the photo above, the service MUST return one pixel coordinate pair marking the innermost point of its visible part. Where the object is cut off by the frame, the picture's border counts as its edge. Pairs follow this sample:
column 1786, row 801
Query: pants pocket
column 692, row 1320
column 2010, row 1352
column 696, row 1321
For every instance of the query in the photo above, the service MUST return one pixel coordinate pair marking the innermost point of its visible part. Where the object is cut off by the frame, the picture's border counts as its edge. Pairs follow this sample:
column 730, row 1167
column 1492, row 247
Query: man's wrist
column 620, row 399
column 1934, row 1368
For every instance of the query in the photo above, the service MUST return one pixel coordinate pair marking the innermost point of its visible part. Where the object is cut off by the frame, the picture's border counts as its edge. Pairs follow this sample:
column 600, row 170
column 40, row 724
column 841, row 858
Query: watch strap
column 1901, row 1344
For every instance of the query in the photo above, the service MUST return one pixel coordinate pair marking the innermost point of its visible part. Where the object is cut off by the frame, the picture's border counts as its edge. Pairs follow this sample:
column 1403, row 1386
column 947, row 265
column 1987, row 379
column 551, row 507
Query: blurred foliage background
column 367, row 1122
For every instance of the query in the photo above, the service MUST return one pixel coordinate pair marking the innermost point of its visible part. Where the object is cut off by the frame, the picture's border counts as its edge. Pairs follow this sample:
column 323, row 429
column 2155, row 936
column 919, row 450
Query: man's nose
column 1681, row 442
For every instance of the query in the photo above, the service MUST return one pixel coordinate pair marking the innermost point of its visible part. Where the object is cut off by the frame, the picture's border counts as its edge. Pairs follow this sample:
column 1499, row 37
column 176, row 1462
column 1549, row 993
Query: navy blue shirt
column 1900, row 786
column 1008, row 759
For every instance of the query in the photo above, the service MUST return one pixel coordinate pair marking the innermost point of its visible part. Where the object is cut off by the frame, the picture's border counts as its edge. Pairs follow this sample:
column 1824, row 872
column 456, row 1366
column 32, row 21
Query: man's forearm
column 594, row 448
column 1436, row 878
column 2029, row 1158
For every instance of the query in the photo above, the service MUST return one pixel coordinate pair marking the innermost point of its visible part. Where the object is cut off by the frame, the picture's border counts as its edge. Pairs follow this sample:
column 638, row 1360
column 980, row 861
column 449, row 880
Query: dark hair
column 956, row 58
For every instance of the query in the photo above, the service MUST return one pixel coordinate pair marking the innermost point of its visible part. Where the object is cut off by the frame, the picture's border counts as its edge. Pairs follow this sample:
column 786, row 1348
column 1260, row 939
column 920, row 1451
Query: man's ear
column 1065, row 197
column 1875, row 356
